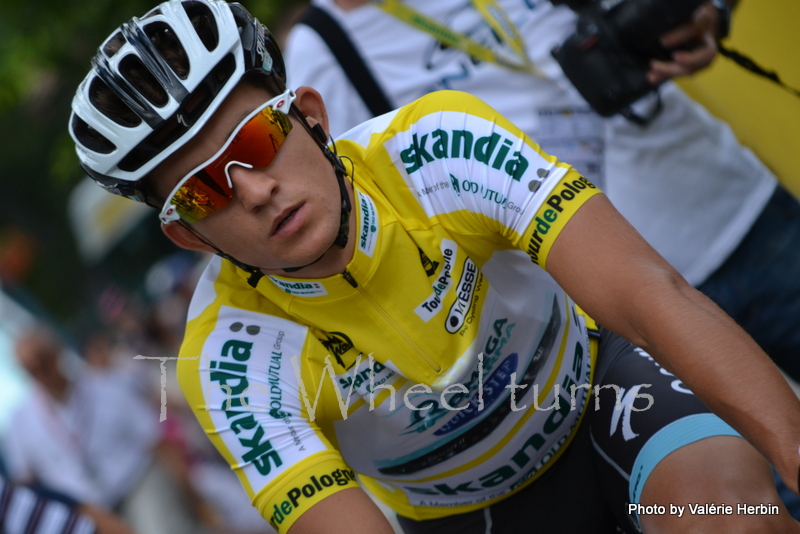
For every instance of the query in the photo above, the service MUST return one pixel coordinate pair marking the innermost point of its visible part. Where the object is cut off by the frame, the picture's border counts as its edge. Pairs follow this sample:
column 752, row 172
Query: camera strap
column 491, row 12
column 635, row 118
column 752, row 66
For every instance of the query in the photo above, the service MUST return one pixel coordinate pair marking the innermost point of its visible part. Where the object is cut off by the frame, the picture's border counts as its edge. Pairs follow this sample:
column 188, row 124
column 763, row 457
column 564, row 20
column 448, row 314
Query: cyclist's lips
column 288, row 221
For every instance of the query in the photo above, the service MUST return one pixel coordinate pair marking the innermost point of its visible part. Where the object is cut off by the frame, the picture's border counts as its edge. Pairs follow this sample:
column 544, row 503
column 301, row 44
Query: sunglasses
column 253, row 143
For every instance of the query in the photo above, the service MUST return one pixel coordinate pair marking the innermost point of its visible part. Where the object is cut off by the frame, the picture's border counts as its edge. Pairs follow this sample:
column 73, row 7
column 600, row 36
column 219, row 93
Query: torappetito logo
column 433, row 304
column 429, row 266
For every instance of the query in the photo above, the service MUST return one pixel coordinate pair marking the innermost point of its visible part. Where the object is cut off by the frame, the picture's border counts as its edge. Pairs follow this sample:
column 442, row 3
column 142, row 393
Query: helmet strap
column 319, row 135
column 255, row 273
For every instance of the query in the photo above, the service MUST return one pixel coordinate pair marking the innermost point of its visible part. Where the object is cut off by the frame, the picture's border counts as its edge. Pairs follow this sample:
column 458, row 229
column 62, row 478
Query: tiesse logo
column 493, row 150
column 464, row 291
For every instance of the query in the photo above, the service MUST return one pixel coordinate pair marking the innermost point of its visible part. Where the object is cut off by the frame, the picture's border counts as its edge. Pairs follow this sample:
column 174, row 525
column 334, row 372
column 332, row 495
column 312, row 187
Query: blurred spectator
column 17, row 252
column 169, row 285
column 83, row 433
column 25, row 510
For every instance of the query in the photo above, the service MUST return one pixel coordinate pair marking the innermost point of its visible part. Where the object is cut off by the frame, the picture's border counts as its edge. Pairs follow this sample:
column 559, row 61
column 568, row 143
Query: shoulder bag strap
column 348, row 57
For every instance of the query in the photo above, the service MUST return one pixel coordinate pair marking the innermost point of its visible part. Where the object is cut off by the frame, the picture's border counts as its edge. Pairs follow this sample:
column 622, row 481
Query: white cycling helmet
column 156, row 110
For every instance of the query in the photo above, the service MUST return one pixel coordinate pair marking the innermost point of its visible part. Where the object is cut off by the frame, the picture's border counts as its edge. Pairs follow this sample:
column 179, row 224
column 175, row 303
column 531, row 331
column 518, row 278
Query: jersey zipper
column 388, row 318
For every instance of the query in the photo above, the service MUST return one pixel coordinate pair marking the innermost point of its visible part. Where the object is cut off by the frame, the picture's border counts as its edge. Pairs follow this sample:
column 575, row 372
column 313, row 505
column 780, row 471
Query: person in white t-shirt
column 25, row 510
column 704, row 201
column 88, row 435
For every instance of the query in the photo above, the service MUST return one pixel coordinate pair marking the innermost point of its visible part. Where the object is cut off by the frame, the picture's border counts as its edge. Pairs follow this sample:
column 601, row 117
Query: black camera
column 608, row 56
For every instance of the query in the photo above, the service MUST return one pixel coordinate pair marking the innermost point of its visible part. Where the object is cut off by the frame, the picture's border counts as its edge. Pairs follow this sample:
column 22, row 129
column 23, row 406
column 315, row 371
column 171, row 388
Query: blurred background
column 70, row 252
column 97, row 268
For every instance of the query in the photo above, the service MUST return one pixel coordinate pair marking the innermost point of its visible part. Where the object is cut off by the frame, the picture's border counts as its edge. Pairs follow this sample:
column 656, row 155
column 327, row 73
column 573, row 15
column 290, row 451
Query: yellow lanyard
column 491, row 12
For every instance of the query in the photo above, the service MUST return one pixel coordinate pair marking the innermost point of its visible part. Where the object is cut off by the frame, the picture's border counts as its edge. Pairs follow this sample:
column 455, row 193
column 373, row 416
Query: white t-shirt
column 94, row 447
column 683, row 181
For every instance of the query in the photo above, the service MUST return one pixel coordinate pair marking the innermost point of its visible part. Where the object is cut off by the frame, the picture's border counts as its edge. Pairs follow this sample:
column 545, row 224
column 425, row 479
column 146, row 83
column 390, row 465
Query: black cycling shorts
column 589, row 487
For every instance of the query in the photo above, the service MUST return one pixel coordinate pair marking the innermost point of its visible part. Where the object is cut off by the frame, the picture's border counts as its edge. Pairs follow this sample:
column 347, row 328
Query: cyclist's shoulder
column 449, row 102
column 446, row 103
column 225, row 302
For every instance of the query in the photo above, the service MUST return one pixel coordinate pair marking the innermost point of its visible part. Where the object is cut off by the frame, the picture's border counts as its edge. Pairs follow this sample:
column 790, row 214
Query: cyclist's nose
column 252, row 187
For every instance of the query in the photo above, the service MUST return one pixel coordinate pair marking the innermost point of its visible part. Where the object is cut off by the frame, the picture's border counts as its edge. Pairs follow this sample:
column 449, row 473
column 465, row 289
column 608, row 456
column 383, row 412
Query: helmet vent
column 203, row 22
column 135, row 72
column 152, row 13
column 91, row 138
column 112, row 45
column 170, row 48
column 191, row 111
column 111, row 105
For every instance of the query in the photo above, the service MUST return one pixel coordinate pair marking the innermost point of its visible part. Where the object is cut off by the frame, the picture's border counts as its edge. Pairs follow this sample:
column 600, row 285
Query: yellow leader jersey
column 444, row 369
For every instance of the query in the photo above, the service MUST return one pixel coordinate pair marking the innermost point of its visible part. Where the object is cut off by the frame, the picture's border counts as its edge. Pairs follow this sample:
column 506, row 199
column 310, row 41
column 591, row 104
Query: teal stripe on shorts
column 670, row 438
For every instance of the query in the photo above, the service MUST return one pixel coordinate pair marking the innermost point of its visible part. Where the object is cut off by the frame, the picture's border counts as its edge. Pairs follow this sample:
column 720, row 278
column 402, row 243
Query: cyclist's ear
column 311, row 105
column 184, row 238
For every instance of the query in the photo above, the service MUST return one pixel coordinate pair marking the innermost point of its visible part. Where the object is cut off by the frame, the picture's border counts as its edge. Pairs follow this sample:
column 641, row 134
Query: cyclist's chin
column 304, row 246
column 289, row 257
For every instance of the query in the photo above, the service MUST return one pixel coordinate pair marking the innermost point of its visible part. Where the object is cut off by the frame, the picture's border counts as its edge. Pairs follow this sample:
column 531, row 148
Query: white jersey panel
column 496, row 174
column 251, row 392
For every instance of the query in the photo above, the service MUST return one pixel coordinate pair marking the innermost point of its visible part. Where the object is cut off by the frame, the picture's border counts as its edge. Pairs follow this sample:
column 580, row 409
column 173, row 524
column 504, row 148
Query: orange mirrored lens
column 255, row 143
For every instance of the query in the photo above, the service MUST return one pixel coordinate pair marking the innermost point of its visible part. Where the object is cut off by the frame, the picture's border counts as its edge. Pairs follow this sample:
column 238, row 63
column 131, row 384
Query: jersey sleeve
column 241, row 372
column 472, row 169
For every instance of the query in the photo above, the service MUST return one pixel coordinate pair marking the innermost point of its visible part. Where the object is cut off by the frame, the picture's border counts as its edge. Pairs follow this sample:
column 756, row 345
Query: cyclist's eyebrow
column 238, row 123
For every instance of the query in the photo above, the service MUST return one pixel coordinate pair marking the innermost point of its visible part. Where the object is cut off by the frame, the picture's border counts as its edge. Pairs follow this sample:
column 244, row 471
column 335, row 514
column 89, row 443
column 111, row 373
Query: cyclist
column 407, row 313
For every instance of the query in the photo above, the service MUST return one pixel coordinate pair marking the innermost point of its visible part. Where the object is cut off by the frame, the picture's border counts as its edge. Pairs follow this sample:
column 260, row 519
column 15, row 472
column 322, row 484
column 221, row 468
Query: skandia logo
column 228, row 374
column 300, row 288
column 368, row 235
column 464, row 292
column 493, row 150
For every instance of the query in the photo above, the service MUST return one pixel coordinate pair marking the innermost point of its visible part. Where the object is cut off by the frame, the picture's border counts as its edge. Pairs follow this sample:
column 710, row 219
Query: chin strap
column 341, row 176
column 344, row 220
column 254, row 272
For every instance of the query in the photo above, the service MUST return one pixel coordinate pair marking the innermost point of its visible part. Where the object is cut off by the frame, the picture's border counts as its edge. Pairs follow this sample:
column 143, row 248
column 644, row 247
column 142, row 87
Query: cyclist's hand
column 696, row 46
